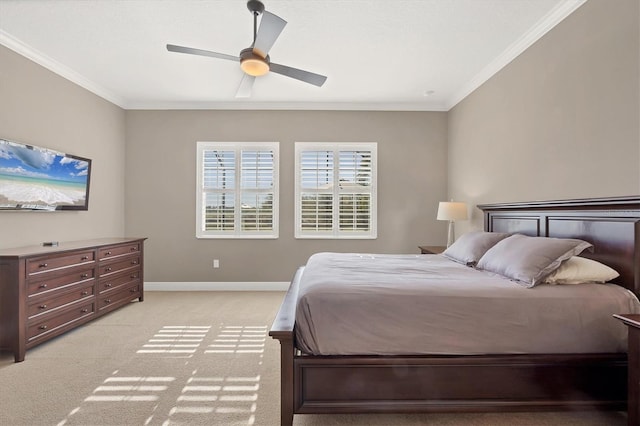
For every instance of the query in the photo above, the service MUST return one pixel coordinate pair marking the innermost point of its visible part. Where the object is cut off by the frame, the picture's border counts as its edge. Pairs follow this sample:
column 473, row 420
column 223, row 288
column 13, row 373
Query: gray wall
column 560, row 121
column 161, row 187
column 41, row 108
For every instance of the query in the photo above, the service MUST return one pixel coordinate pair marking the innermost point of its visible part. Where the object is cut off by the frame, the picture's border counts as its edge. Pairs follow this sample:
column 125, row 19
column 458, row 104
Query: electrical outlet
column 216, row 263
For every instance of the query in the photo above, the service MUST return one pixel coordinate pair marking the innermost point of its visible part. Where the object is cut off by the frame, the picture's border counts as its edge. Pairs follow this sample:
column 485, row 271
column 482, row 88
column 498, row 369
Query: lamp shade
column 449, row 210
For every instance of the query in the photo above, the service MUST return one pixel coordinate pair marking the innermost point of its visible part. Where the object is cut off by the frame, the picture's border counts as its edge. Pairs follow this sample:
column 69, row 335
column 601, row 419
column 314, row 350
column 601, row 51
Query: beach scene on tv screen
column 38, row 178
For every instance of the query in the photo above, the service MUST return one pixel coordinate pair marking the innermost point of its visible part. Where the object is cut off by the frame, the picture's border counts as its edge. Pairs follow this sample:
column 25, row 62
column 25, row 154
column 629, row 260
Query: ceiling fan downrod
column 256, row 8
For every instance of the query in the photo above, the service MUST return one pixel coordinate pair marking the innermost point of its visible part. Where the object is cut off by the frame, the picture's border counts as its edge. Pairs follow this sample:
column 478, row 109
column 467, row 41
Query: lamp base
column 451, row 235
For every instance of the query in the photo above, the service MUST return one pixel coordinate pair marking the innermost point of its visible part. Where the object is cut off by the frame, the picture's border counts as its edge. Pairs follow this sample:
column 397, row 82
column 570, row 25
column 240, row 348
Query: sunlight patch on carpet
column 234, row 339
column 176, row 340
column 205, row 378
column 232, row 397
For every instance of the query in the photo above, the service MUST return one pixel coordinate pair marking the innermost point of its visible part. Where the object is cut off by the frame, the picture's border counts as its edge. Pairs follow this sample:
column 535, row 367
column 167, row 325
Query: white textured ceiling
column 377, row 54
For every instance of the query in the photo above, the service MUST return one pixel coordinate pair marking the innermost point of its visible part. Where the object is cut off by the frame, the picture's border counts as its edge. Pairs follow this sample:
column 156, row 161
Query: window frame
column 238, row 191
column 336, row 232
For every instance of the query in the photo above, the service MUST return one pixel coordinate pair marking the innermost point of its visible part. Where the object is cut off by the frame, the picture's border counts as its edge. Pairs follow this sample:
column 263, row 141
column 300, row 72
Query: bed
column 457, row 379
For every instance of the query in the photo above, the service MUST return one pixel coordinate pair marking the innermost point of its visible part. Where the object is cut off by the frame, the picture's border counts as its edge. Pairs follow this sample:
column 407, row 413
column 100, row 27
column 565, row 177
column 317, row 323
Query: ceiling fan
column 255, row 60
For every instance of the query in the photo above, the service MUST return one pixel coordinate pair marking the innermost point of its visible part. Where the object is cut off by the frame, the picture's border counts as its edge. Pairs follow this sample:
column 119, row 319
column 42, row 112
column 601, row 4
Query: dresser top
column 63, row 246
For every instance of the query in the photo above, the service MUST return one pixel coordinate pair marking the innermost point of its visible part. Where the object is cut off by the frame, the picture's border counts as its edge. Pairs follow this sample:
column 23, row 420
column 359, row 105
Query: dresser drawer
column 112, row 282
column 42, row 327
column 114, row 251
column 119, row 297
column 45, row 283
column 51, row 304
column 122, row 265
column 43, row 264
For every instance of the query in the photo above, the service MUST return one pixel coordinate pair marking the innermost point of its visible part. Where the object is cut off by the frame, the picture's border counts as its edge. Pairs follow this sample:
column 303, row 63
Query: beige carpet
column 197, row 358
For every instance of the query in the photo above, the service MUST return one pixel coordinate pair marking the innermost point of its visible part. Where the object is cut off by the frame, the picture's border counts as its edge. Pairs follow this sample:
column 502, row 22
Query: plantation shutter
column 355, row 191
column 237, row 194
column 257, row 191
column 316, row 197
column 219, row 175
column 335, row 190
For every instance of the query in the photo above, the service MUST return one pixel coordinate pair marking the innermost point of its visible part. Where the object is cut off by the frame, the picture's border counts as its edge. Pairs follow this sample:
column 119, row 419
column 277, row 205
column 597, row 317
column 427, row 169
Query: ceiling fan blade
column 270, row 28
column 246, row 84
column 306, row 76
column 200, row 52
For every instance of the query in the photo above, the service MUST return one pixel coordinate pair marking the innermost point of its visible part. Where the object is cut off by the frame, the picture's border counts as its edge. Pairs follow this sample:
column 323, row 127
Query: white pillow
column 579, row 270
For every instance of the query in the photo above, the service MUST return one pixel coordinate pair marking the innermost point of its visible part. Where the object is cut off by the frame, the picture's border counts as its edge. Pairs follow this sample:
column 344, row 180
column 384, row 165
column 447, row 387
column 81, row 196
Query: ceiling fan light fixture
column 254, row 67
column 253, row 64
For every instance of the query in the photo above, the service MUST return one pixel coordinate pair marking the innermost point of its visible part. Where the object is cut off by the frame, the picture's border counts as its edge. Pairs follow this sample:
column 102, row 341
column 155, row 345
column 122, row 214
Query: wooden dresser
column 46, row 291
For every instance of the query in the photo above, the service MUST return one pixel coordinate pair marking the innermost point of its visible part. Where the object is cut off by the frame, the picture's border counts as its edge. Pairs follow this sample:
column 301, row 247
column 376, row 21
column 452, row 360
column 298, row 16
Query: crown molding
column 550, row 20
column 56, row 67
column 309, row 106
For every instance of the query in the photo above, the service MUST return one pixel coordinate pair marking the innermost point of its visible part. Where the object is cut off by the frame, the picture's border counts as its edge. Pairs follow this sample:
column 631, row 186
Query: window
column 237, row 190
column 335, row 190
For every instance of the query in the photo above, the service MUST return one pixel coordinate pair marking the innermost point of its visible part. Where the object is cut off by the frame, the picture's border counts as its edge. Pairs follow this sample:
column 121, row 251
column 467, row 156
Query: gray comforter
column 357, row 304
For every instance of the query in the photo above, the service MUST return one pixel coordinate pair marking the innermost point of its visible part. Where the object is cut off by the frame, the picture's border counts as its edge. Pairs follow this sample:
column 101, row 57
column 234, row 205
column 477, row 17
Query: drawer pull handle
column 107, row 301
column 133, row 290
column 108, row 285
column 84, row 293
column 84, row 275
column 134, row 249
column 84, row 311
column 43, row 306
column 107, row 269
column 84, row 258
column 134, row 276
column 134, row 262
column 43, row 286
column 43, row 265
column 43, row 327
column 108, row 253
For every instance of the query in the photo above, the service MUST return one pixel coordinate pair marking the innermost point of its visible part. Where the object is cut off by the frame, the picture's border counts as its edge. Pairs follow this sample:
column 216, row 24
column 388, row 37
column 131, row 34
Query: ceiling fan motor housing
column 252, row 63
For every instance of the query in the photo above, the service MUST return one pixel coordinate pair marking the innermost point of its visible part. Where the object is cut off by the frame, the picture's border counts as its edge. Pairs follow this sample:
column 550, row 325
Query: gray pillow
column 528, row 260
column 469, row 248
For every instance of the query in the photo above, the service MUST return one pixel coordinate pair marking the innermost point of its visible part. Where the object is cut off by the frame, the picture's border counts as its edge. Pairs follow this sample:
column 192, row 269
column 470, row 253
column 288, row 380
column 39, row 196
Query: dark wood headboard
column 612, row 225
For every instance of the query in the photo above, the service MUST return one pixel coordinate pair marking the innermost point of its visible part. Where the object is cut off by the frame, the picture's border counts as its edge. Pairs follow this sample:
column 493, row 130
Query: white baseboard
column 216, row 286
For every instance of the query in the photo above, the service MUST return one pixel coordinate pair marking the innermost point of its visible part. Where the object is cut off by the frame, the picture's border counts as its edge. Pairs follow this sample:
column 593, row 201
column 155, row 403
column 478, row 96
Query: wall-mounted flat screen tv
column 35, row 178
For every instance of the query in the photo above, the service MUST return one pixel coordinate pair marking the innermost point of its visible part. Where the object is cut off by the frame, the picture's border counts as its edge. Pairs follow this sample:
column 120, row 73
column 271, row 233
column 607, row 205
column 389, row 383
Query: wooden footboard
column 282, row 329
column 459, row 383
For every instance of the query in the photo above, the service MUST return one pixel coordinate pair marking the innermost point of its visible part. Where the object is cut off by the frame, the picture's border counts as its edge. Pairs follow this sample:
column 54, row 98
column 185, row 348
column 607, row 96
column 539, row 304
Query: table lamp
column 451, row 211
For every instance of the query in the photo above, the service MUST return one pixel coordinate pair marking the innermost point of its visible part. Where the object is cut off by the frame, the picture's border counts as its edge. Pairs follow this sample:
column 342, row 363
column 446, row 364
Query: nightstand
column 432, row 249
column 632, row 321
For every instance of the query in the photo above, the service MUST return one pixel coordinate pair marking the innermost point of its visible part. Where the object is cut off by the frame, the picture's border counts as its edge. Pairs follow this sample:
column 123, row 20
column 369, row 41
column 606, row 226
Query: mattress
column 377, row 304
